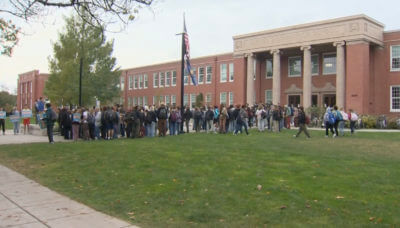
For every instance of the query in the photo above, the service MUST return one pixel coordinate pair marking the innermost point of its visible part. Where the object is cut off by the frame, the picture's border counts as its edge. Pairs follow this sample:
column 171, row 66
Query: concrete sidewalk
column 10, row 138
column 25, row 203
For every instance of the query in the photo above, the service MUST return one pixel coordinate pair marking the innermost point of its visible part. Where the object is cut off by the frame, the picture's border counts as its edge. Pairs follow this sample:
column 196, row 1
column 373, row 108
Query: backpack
column 53, row 115
column 174, row 116
column 149, row 118
column 339, row 116
column 108, row 116
column 263, row 114
column 162, row 114
column 197, row 115
column 90, row 118
column 331, row 118
column 354, row 117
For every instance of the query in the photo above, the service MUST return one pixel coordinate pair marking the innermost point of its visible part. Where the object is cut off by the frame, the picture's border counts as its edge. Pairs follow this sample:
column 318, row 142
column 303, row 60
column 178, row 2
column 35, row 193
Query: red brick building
column 349, row 61
column 30, row 88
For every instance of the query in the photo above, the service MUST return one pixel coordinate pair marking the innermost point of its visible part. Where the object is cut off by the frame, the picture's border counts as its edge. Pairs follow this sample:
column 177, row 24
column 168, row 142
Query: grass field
column 206, row 180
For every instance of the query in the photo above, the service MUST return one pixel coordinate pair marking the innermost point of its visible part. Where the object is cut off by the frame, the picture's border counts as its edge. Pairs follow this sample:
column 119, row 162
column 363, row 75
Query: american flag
column 187, row 54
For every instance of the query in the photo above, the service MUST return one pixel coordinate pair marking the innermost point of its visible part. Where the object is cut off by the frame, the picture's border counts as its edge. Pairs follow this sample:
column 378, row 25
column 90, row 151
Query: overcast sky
column 211, row 24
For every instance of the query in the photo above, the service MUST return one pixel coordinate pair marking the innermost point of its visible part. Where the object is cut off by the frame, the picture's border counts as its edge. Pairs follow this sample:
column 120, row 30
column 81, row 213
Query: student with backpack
column 329, row 120
column 173, row 118
column 162, row 115
column 338, row 119
column 353, row 117
column 210, row 120
column 50, row 118
column 187, row 115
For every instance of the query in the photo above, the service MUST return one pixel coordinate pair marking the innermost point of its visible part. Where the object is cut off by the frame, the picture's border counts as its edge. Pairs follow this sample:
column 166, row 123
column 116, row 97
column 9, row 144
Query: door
column 329, row 100
column 294, row 100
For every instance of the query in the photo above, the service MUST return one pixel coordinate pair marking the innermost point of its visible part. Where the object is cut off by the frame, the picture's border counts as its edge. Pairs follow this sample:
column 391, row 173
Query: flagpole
column 182, row 75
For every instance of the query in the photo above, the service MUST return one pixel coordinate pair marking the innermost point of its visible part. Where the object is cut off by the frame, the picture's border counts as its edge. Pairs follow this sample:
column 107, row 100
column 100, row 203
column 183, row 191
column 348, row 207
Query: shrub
column 368, row 121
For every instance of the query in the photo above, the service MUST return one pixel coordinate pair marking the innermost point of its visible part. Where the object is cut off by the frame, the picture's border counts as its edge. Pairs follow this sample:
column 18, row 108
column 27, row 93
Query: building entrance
column 294, row 100
column 330, row 100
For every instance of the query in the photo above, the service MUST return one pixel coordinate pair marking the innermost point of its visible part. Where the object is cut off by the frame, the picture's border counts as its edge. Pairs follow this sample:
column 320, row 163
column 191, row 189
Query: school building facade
column 351, row 62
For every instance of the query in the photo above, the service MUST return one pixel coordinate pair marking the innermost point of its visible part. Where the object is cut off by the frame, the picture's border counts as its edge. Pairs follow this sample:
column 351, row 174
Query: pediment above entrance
column 327, row 88
column 293, row 89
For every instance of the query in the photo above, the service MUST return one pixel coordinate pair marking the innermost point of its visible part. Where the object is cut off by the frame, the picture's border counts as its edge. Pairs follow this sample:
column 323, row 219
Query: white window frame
column 173, row 76
column 220, row 98
column 167, row 99
column 186, row 79
column 323, row 63
column 135, row 101
column 145, row 101
column 161, row 82
column 135, row 82
column 266, row 69
column 223, row 79
column 265, row 96
column 231, row 101
column 391, row 59
column 203, row 74
column 193, row 101
column 130, row 82
column 145, row 81
column 301, row 67
column 231, row 72
column 155, row 76
column 121, row 83
column 208, row 82
column 315, row 74
column 167, row 78
column 140, row 81
column 391, row 99
column 185, row 99
column 173, row 99
column 154, row 100
column 208, row 98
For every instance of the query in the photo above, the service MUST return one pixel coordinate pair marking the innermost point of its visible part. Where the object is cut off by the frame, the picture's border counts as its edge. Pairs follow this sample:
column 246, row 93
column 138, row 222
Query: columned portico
column 306, row 76
column 276, row 77
column 340, row 74
column 250, row 79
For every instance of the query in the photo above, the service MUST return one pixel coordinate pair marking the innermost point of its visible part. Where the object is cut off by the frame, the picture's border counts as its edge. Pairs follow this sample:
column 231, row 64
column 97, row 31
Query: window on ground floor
column 268, row 96
column 395, row 98
column 314, row 100
column 294, row 100
column 222, row 98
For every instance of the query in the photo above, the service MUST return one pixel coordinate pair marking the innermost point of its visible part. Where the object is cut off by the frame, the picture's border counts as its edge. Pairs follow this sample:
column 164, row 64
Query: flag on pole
column 188, row 67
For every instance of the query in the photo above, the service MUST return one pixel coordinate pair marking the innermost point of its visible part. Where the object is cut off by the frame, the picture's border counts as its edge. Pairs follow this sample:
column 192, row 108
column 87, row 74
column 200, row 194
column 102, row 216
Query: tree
column 98, row 13
column 82, row 44
column 7, row 100
column 199, row 100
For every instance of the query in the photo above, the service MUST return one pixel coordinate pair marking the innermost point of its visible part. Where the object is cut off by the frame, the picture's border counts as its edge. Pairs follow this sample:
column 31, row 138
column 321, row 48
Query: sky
column 152, row 38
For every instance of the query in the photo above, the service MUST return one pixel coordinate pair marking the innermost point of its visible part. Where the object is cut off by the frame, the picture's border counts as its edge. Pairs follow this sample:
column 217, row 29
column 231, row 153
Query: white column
column 276, row 77
column 340, row 74
column 307, row 76
column 250, row 79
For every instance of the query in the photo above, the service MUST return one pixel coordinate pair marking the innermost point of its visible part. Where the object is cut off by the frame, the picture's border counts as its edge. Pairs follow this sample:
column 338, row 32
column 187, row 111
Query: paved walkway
column 25, row 203
column 10, row 138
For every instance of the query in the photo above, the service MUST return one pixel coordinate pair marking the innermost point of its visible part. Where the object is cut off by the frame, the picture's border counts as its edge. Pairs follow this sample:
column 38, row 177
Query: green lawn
column 207, row 180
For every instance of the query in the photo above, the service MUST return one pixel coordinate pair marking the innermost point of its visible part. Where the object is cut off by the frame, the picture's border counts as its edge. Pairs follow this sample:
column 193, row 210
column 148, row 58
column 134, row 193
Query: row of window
column 24, row 87
column 295, row 65
column 164, row 79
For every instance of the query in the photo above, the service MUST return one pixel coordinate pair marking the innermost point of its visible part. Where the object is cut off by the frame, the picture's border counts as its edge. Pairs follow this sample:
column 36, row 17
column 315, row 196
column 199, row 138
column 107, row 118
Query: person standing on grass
column 353, row 117
column 50, row 118
column 198, row 115
column 343, row 122
column 261, row 115
column 162, row 115
column 222, row 119
column 76, row 120
column 302, row 120
column 16, row 123
column 275, row 118
column 209, row 119
column 329, row 121
column 338, row 119
column 26, row 120
column 240, row 121
column 3, row 120
column 187, row 115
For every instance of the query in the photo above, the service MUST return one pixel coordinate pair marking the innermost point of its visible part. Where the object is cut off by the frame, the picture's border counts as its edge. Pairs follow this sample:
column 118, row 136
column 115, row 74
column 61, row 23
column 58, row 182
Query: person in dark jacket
column 187, row 115
column 302, row 118
column 162, row 115
column 49, row 120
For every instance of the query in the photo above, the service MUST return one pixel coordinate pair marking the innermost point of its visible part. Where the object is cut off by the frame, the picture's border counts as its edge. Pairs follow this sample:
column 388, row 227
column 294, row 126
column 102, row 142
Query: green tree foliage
column 81, row 41
column 7, row 100
column 8, row 37
column 199, row 100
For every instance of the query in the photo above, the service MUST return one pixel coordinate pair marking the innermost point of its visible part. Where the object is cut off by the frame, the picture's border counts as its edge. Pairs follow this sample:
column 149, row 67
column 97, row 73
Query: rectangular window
column 192, row 100
column 185, row 100
column 155, row 80
column 268, row 68
column 173, row 78
column 395, row 98
column 134, row 101
column 329, row 64
column 161, row 99
column 167, row 78
column 395, row 58
column 122, row 83
column 136, row 79
column 129, row 102
column 140, row 81
column 314, row 65
column 144, row 101
column 167, row 100
column 140, row 101
column 231, row 72
column 208, row 98
column 223, row 72
column 201, row 75
column 268, row 96
column 222, row 98
column 230, row 98
column 294, row 66
column 130, row 81
column 162, row 75
column 155, row 100
column 209, row 75
column 146, row 81
column 173, row 100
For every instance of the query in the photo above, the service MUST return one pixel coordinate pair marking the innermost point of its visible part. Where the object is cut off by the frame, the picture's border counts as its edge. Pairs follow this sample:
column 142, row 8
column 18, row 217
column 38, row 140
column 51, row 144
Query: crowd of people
column 112, row 122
